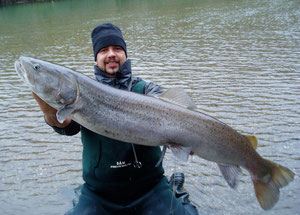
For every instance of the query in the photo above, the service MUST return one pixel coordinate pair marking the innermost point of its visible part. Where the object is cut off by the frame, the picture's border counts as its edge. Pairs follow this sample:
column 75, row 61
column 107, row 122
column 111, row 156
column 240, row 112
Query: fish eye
column 36, row 67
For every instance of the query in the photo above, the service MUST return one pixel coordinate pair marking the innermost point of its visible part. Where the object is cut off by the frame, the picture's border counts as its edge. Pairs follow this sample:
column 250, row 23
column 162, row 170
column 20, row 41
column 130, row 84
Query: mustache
column 112, row 61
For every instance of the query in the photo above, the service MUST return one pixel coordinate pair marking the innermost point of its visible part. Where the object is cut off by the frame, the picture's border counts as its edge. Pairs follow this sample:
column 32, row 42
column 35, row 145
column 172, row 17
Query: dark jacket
column 120, row 172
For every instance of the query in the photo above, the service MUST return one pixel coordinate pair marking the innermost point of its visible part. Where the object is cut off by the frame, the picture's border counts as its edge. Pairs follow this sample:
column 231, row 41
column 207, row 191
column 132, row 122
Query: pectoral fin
column 64, row 113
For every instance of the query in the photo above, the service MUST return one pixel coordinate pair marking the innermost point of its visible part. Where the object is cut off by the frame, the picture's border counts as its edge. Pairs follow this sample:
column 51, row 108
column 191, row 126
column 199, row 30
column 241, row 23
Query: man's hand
column 50, row 113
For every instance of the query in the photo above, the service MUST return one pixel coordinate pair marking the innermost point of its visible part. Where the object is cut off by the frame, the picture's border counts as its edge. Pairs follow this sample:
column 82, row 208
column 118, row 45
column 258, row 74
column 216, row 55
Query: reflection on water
column 239, row 60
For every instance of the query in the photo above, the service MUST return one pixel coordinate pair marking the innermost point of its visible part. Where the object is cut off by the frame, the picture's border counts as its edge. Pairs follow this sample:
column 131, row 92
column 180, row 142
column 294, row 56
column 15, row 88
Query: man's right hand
column 50, row 113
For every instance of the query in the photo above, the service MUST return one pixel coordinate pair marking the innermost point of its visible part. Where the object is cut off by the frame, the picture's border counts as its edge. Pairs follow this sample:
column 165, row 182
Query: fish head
column 54, row 84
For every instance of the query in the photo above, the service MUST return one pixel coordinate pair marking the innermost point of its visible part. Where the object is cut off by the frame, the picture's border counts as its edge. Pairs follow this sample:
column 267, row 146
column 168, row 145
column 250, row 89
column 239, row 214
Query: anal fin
column 230, row 173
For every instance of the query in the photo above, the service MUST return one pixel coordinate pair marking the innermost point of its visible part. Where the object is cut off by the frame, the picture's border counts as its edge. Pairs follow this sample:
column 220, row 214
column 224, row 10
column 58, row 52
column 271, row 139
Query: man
column 120, row 178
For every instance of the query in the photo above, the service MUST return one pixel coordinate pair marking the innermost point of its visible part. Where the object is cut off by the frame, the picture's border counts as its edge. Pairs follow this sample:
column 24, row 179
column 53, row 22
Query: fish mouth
column 19, row 68
column 21, row 71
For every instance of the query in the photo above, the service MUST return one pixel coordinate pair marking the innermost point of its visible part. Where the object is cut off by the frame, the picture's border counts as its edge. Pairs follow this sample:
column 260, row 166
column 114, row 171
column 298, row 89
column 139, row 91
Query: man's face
column 110, row 60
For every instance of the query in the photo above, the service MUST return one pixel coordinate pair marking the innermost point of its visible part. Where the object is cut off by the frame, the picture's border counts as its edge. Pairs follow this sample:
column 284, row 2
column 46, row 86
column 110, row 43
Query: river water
column 239, row 61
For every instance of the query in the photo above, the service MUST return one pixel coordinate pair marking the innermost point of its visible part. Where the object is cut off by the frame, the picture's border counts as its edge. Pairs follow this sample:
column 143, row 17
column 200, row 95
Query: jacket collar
column 122, row 79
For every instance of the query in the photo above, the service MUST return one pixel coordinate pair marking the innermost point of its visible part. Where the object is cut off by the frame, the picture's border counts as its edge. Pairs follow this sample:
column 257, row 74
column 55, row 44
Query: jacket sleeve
column 72, row 129
column 153, row 89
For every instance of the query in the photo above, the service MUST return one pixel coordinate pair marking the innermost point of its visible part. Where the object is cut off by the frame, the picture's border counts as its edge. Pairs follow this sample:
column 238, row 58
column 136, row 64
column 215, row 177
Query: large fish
column 170, row 119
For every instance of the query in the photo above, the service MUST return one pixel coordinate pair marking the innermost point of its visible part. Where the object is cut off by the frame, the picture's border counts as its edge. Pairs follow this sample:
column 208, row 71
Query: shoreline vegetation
column 4, row 3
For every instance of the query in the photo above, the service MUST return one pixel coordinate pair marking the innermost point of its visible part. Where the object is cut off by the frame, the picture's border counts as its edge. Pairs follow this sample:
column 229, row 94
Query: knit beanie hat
column 105, row 35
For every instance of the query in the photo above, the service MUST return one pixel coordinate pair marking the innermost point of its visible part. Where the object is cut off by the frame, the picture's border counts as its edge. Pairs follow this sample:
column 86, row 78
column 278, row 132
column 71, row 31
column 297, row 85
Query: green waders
column 114, row 186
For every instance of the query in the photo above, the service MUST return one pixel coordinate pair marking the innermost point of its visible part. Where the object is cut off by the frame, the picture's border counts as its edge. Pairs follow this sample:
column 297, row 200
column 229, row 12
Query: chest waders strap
column 138, row 88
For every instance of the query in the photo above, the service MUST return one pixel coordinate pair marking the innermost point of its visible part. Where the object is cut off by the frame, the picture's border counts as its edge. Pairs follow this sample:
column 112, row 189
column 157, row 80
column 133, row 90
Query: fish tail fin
column 267, row 187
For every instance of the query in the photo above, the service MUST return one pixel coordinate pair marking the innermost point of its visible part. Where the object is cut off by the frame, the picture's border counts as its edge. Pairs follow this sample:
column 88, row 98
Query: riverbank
column 4, row 3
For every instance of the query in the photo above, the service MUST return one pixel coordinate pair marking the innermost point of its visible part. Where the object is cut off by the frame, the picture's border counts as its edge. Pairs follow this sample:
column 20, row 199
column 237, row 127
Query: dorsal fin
column 252, row 140
column 179, row 97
